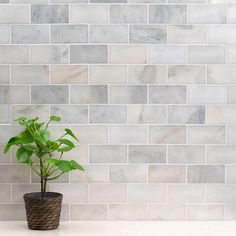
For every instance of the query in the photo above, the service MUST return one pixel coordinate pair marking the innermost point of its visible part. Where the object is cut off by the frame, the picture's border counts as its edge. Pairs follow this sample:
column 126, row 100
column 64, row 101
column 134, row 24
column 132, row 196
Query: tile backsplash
column 149, row 88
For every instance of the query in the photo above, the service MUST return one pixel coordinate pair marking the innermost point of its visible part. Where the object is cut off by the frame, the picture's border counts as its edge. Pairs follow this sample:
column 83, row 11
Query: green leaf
column 64, row 149
column 67, row 142
column 76, row 165
column 22, row 121
column 25, row 137
column 24, row 155
column 31, row 148
column 70, row 133
column 55, row 118
column 12, row 141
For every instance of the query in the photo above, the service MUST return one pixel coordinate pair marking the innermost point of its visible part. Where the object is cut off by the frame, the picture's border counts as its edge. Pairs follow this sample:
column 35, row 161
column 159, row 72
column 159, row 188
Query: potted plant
column 43, row 155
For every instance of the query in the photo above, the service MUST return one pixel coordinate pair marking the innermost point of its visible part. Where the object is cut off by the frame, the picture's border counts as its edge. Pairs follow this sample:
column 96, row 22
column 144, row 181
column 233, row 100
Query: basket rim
column 41, row 196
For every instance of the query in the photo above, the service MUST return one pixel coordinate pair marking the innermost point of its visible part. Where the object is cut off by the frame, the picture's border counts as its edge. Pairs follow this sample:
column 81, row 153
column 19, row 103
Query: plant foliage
column 40, row 152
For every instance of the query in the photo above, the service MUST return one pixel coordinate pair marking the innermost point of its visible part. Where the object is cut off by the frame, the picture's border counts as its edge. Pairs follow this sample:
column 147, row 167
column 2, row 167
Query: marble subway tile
column 71, row 114
column 14, row 54
column 167, row 134
column 30, row 111
column 5, row 113
column 108, row 74
column 145, row 34
column 206, row 174
column 49, row 54
column 72, row 193
column 205, row 212
column 4, row 74
column 14, row 14
column 4, row 157
column 147, row 154
column 4, row 34
column 209, row 94
column 186, row 74
column 69, row 33
column 167, row 94
column 91, row 54
column 207, row 14
column 231, row 54
column 231, row 19
column 109, row 34
column 5, row 195
column 166, row 212
column 230, row 174
column 88, row 212
column 170, row 14
column 111, row 114
column 184, row 34
column 186, row 154
column 182, row 193
column 127, row 174
column 89, row 94
column 108, row 193
column 49, row 94
column 128, row 14
column 49, row 14
column 208, row 134
column 14, row 94
column 221, row 193
column 221, row 74
column 14, row 174
column 127, row 212
column 127, row 134
column 231, row 134
column 69, row 74
column 86, row 13
column 221, row 154
column 30, row 34
column 146, row 193
column 230, row 212
column 128, row 94
column 147, row 74
column 182, row 114
column 206, row 54
column 108, row 153
column 91, row 134
column 167, row 54
column 166, row 174
column 128, row 54
column 12, row 212
column 30, row 74
column 8, row 131
column 221, row 114
column 146, row 114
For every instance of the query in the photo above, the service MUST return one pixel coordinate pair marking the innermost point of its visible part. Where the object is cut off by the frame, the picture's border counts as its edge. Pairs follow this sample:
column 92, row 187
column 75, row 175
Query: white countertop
column 157, row 228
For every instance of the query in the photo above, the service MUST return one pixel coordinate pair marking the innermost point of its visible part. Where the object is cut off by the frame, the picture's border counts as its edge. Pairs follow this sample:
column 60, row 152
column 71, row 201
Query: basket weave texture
column 43, row 211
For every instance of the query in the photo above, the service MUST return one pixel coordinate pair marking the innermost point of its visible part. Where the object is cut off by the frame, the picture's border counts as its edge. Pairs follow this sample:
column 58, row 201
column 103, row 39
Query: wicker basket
column 43, row 211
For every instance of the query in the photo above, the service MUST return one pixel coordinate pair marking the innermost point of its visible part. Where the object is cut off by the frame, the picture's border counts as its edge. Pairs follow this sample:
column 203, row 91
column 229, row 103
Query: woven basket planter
column 43, row 211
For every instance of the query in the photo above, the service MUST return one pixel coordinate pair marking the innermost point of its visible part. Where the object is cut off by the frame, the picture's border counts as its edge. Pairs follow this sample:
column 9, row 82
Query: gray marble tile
column 14, row 54
column 108, row 1
column 30, row 74
column 172, row 14
column 109, row 34
column 5, row 114
column 4, row 34
column 49, row 54
column 89, row 54
column 166, row 174
column 18, row 94
column 51, row 94
column 108, row 153
column 178, row 114
column 230, row 174
column 147, row 74
column 30, row 34
column 71, row 114
column 69, row 33
column 111, row 114
column 128, row 14
column 12, row 212
column 146, row 114
column 147, row 154
column 4, row 74
column 69, row 74
column 131, row 94
column 5, row 195
column 89, row 94
column 127, row 174
column 145, row 34
column 167, row 94
column 49, row 14
column 206, row 174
